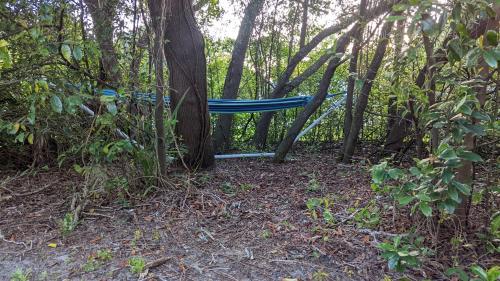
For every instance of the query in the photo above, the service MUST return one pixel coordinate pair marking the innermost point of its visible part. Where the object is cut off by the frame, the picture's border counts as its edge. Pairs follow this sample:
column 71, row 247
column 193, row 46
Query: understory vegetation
column 104, row 109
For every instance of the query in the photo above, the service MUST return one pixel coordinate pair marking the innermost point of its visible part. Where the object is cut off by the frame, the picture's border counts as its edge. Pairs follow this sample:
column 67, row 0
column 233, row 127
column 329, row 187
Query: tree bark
column 430, row 86
column 103, row 14
column 303, row 28
column 186, row 61
column 157, row 11
column 279, row 91
column 317, row 100
column 353, row 70
column 362, row 101
column 222, row 136
column 397, row 126
column 465, row 173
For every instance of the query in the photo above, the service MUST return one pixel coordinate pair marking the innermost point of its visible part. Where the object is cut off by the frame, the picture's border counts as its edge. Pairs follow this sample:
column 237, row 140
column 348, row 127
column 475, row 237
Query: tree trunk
column 303, row 28
column 362, row 101
column 317, row 100
column 266, row 117
column 103, row 13
column 222, row 136
column 430, row 86
column 353, row 70
column 465, row 173
column 397, row 126
column 186, row 61
column 261, row 131
column 157, row 11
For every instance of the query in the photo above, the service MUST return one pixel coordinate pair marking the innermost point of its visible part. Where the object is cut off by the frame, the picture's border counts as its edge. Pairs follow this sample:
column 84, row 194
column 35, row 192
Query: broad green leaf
column 395, row 173
column 415, row 171
column 495, row 223
column 494, row 273
column 492, row 37
column 448, row 154
column 423, row 197
column 479, row 271
column 425, row 209
column 452, row 192
column 490, row 59
column 481, row 116
column 66, row 52
column 469, row 155
column 462, row 276
column 112, row 108
column 327, row 216
column 56, row 104
column 77, row 53
column 30, row 138
column 456, row 47
column 393, row 262
column 405, row 200
column 462, row 187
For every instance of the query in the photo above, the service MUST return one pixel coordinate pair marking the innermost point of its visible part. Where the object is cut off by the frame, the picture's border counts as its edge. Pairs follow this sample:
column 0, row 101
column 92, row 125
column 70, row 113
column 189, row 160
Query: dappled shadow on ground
column 244, row 220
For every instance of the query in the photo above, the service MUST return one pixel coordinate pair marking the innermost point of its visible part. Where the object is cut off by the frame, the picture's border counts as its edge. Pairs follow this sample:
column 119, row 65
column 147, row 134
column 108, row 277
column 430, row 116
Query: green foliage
column 313, row 184
column 20, row 275
column 321, row 208
column 403, row 253
column 67, row 224
column 368, row 216
column 477, row 273
column 137, row 265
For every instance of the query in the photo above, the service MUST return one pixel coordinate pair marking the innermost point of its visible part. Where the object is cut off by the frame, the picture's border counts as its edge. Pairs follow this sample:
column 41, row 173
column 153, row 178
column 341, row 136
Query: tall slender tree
column 103, row 13
column 222, row 135
column 157, row 11
column 317, row 100
column 362, row 101
column 261, row 131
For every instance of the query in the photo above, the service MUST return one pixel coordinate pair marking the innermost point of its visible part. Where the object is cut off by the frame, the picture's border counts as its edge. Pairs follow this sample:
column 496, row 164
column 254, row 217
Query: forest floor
column 246, row 220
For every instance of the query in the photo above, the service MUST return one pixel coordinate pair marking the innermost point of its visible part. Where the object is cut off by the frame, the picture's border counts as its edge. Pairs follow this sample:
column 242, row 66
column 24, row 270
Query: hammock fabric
column 229, row 106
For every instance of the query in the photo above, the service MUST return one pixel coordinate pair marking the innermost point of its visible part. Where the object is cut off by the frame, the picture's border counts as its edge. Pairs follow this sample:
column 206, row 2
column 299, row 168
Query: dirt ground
column 246, row 220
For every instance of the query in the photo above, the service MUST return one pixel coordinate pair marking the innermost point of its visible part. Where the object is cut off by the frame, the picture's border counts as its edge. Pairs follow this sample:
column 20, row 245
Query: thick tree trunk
column 362, row 101
column 317, row 100
column 157, row 11
column 103, row 14
column 279, row 91
column 185, row 56
column 222, row 136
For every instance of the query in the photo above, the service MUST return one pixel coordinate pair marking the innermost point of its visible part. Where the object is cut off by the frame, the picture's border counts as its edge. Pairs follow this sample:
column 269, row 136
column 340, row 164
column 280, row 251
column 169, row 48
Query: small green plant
column 320, row 207
column 228, row 188
column 478, row 273
column 313, row 184
column 266, row 233
column 20, row 275
column 246, row 187
column 320, row 275
column 137, row 265
column 402, row 253
column 91, row 265
column 67, row 224
column 104, row 255
column 368, row 216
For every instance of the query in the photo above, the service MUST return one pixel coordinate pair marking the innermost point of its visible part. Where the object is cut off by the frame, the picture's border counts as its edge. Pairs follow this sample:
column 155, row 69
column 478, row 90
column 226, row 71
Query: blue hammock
column 229, row 106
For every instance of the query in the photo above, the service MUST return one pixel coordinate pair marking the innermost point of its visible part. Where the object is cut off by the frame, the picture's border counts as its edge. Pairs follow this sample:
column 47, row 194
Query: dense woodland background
column 420, row 78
